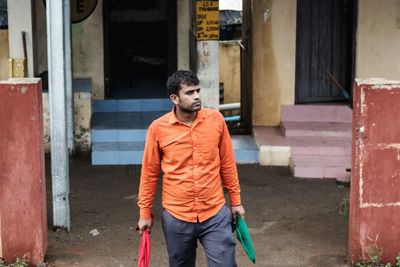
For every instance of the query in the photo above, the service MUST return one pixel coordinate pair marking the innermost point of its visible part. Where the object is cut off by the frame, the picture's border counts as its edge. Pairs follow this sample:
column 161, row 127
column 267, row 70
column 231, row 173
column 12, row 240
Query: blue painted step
column 132, row 105
column 117, row 153
column 246, row 150
column 120, row 153
column 119, row 130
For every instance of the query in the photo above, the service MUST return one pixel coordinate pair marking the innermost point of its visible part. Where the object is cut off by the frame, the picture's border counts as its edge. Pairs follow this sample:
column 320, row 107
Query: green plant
column 19, row 262
column 375, row 258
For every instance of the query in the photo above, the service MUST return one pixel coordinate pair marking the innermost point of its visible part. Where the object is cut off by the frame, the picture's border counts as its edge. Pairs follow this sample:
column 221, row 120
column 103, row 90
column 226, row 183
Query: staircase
column 314, row 140
column 119, row 130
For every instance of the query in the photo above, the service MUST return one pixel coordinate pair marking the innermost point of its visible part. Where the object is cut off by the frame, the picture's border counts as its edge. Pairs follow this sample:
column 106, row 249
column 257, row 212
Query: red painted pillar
column 23, row 218
column 374, row 221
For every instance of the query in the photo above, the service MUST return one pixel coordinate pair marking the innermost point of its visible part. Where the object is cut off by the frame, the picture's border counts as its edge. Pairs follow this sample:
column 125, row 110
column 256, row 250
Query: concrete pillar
column 58, row 113
column 374, row 219
column 68, row 76
column 208, row 72
column 23, row 218
column 19, row 20
column 183, row 33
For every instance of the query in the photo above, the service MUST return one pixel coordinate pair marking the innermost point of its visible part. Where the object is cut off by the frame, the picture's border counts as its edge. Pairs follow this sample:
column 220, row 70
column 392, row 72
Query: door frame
column 246, row 65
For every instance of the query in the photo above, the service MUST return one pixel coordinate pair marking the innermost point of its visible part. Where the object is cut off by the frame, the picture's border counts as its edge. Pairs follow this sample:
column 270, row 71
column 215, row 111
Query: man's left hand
column 237, row 210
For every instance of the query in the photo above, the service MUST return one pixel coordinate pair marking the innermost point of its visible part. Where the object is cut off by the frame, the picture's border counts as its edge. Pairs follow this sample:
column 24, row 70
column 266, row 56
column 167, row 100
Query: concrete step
column 116, row 135
column 132, row 105
column 316, row 113
column 117, row 153
column 316, row 129
column 124, row 120
column 246, row 150
column 312, row 166
column 131, row 152
column 276, row 149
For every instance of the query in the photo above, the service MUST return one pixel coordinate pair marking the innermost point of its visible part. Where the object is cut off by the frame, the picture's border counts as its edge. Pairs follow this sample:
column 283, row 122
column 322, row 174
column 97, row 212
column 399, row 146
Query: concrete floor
column 293, row 222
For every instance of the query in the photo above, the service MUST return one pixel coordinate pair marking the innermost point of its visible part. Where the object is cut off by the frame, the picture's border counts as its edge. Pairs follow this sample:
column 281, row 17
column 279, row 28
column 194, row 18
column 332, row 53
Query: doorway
column 140, row 47
column 325, row 50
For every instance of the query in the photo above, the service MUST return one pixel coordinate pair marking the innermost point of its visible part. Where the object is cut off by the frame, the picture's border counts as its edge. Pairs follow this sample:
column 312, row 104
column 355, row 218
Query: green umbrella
column 243, row 235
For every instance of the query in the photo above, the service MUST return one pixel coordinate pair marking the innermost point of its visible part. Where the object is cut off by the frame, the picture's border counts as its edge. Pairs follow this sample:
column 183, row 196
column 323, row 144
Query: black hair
column 178, row 78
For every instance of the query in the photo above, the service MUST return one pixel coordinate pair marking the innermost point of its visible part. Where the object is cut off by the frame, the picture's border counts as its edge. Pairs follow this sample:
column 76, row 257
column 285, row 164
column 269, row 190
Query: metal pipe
column 229, row 106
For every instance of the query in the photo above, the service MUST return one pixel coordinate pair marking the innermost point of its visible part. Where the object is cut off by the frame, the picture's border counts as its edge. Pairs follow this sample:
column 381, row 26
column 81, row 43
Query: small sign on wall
column 207, row 20
column 80, row 9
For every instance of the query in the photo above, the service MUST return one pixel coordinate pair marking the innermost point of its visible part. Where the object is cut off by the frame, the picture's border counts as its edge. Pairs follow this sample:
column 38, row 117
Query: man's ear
column 174, row 99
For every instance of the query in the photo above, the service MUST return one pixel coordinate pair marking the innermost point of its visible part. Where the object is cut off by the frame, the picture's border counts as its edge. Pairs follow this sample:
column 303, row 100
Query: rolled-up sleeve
column 228, row 169
column 150, row 173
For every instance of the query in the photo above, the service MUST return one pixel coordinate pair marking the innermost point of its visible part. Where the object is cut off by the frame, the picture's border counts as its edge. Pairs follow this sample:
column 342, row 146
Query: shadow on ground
column 293, row 222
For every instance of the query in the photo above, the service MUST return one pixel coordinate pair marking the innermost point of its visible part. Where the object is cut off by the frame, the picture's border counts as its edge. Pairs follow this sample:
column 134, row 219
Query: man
column 192, row 147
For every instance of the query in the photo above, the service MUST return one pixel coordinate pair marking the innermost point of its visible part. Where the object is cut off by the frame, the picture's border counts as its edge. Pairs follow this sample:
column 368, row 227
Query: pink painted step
column 316, row 113
column 314, row 166
column 313, row 129
column 273, row 136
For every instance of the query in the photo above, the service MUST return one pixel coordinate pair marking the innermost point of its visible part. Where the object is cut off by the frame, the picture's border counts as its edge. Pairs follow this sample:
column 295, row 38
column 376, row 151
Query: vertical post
column 207, row 50
column 374, row 219
column 58, row 113
column 208, row 72
column 23, row 220
column 68, row 76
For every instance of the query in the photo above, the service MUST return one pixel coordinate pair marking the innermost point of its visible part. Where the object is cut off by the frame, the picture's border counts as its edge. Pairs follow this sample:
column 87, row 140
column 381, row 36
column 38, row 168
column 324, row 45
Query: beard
column 193, row 108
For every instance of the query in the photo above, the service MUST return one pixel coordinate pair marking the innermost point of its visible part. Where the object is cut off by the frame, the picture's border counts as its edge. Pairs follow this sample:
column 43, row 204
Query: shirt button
column 195, row 182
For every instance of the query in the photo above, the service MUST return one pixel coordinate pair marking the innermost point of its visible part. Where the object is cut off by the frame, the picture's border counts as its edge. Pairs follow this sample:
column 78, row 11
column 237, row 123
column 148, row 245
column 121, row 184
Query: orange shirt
column 196, row 162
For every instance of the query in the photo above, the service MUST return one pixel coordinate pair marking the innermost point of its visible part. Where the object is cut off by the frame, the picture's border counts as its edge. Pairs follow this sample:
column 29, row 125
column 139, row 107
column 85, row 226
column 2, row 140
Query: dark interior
column 137, row 49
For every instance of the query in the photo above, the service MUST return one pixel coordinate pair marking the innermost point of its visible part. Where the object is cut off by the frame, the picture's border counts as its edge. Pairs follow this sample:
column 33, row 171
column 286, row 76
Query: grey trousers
column 215, row 235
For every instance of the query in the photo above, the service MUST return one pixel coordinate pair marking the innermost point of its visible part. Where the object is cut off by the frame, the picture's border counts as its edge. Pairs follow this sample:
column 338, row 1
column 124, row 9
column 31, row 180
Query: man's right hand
column 145, row 224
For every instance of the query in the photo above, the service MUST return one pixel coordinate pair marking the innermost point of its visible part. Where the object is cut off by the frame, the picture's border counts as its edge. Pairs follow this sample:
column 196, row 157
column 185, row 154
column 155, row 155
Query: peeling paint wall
column 208, row 72
column 3, row 54
column 87, row 41
column 378, row 38
column 229, row 70
column 82, row 117
column 274, row 59
column 88, row 50
column 20, row 18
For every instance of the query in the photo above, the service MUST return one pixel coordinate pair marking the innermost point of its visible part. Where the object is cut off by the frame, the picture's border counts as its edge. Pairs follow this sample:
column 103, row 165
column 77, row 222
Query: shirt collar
column 201, row 114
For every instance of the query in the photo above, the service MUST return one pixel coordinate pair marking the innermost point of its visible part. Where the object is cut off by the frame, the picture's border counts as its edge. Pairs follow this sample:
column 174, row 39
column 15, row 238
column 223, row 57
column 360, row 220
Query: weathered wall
column 229, row 70
column 3, row 54
column 88, row 50
column 82, row 117
column 20, row 19
column 274, row 58
column 378, row 38
column 87, row 40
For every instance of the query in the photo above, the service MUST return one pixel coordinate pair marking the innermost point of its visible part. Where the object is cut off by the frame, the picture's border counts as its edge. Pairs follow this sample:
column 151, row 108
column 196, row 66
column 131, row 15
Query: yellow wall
column 87, row 39
column 274, row 51
column 3, row 54
column 229, row 70
column 378, row 39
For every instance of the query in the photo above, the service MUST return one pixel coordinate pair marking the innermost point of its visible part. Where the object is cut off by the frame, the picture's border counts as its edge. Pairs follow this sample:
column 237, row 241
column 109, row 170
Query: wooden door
column 324, row 50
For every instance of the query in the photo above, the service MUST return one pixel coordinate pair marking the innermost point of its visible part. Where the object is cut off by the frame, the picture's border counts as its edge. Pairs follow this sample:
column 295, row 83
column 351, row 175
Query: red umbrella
column 144, row 249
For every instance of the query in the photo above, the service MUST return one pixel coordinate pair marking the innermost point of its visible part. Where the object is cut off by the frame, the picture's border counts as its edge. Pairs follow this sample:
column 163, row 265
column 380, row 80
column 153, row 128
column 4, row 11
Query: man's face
column 188, row 100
